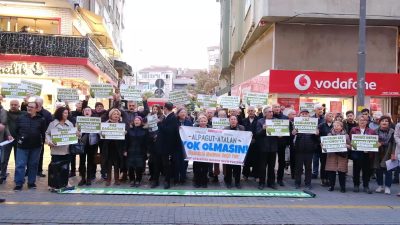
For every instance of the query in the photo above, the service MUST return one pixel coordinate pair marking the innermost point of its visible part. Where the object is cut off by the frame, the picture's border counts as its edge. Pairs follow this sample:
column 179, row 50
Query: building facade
column 267, row 44
column 147, row 77
column 213, row 58
column 71, row 44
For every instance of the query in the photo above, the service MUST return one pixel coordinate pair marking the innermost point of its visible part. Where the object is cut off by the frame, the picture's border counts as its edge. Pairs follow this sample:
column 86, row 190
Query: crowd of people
column 160, row 149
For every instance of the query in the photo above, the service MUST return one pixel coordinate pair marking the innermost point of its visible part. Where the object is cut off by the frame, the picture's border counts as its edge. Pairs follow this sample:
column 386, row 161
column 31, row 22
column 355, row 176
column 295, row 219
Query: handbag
column 78, row 148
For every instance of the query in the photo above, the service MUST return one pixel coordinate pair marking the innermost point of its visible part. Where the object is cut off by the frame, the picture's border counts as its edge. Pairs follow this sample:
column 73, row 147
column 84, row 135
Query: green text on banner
column 366, row 143
column 215, row 146
column 306, row 125
column 61, row 137
column 179, row 97
column 334, row 143
column 101, row 90
column 130, row 93
column 32, row 88
column 229, row 102
column 255, row 99
column 220, row 123
column 277, row 127
column 67, row 94
column 207, row 101
column 112, row 131
column 13, row 90
column 90, row 125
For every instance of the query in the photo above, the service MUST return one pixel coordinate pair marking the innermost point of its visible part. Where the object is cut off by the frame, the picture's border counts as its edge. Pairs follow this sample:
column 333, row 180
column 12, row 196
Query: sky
column 172, row 33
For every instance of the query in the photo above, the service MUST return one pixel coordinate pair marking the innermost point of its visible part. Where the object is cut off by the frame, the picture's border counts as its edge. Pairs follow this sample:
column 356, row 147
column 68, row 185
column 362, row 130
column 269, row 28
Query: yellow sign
column 16, row 68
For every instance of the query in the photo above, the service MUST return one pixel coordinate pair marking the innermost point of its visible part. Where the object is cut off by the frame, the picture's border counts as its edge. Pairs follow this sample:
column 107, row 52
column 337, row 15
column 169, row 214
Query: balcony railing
column 57, row 46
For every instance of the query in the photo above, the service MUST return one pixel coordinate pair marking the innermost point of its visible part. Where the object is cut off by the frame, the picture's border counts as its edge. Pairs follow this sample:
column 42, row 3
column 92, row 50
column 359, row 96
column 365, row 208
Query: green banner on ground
column 162, row 192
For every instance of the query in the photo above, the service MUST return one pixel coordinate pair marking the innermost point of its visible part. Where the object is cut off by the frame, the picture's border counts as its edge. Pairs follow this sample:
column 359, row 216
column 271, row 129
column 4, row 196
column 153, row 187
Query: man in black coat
column 48, row 118
column 282, row 143
column 166, row 145
column 267, row 148
column 250, row 124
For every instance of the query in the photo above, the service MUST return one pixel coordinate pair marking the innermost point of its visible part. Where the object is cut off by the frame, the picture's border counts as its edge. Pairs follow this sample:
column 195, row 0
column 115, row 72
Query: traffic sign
column 159, row 93
column 159, row 83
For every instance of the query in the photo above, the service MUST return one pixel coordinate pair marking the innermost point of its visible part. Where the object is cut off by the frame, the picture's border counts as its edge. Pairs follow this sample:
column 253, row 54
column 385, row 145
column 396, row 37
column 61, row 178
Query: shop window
column 29, row 25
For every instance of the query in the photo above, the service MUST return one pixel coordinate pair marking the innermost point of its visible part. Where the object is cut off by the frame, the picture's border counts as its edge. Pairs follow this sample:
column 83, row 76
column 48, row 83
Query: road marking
column 201, row 205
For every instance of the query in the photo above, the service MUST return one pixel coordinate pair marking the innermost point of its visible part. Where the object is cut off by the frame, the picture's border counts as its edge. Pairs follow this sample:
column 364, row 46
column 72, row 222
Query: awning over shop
column 99, row 34
column 319, row 83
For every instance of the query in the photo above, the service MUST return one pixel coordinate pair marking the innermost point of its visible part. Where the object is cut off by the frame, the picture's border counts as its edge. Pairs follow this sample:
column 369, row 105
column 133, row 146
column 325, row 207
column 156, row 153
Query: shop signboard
column 13, row 90
column 220, row 123
column 112, row 131
column 66, row 136
column 364, row 143
column 87, row 124
column 152, row 121
column 332, row 83
column 32, row 88
column 277, row 127
column 308, row 106
column 306, row 125
column 229, row 102
column 334, row 143
column 101, row 90
column 207, row 101
column 179, row 97
column 67, row 94
column 130, row 93
column 255, row 99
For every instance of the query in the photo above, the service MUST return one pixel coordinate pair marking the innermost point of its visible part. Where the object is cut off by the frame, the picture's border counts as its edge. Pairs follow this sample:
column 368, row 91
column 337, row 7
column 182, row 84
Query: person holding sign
column 87, row 166
column 305, row 145
column 180, row 165
column 386, row 152
column 337, row 161
column 153, row 130
column 282, row 143
column 324, row 129
column 112, row 153
column 59, row 151
column 267, row 149
column 136, row 141
column 200, row 169
column 362, row 161
column 234, row 170
column 250, row 162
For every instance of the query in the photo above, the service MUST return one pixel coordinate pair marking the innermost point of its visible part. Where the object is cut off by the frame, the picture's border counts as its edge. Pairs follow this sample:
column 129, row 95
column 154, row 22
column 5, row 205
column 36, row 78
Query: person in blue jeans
column 30, row 129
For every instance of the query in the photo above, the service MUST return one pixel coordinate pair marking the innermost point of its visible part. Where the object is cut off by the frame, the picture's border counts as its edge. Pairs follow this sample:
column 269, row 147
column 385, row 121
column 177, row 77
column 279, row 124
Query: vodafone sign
column 332, row 83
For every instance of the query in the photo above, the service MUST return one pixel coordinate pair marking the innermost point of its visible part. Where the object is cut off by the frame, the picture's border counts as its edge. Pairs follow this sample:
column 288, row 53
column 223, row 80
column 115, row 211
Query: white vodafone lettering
column 338, row 84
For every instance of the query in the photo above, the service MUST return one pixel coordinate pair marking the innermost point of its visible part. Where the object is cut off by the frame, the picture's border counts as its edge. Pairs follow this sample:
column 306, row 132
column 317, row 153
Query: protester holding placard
column 233, row 170
column 136, row 141
column 157, row 112
column 59, row 152
column 386, row 152
column 251, row 160
column 112, row 153
column 200, row 169
column 305, row 145
column 267, row 148
column 324, row 129
column 180, row 165
column 337, row 161
column 319, row 114
column 99, row 111
column 87, row 166
column 362, row 161
column 282, row 143
column 291, row 114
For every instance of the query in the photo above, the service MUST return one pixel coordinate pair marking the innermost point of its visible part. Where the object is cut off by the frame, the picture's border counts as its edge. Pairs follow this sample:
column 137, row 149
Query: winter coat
column 30, row 131
column 3, row 120
column 387, row 148
column 265, row 143
column 136, row 144
column 112, row 151
column 397, row 140
column 168, row 141
column 58, row 150
column 12, row 121
column 337, row 161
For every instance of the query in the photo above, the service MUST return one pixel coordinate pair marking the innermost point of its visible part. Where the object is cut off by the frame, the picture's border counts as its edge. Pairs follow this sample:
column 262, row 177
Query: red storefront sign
column 289, row 102
column 332, row 83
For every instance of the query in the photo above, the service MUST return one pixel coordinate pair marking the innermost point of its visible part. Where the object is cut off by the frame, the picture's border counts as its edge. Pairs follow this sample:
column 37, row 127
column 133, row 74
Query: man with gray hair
column 319, row 113
column 251, row 160
column 48, row 118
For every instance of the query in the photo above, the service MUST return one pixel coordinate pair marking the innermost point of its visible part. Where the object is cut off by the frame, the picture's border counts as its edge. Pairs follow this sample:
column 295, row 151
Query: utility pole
column 361, row 58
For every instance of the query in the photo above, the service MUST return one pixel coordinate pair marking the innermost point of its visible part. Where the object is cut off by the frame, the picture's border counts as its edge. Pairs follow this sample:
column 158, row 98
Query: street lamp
column 361, row 58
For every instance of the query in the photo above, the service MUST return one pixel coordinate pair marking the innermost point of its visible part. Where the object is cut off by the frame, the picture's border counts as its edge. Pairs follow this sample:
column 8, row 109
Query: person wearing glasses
column 29, row 130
